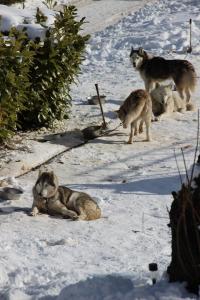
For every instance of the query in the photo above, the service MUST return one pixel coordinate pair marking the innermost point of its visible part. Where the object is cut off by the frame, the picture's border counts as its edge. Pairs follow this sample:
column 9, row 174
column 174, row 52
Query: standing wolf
column 50, row 198
column 136, row 107
column 156, row 69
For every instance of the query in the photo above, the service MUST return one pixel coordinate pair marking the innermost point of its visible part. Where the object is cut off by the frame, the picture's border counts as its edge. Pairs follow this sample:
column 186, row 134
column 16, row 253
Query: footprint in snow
column 68, row 241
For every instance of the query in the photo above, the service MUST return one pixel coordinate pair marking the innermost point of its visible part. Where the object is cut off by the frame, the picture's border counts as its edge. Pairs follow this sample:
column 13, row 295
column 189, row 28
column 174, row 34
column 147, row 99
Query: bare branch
column 196, row 150
column 186, row 171
column 178, row 167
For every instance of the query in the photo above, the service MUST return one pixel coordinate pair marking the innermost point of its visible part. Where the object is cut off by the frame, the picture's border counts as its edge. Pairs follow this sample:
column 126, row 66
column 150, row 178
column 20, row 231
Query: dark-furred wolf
column 155, row 69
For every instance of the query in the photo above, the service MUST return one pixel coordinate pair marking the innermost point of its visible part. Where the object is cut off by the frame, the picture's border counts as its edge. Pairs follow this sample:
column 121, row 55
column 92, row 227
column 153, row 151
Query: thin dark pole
column 191, row 34
column 186, row 172
column 196, row 150
column 100, row 104
column 178, row 167
column 190, row 47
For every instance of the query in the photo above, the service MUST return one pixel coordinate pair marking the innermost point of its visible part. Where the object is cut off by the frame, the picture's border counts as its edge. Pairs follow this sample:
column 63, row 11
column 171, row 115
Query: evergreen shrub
column 10, row 2
column 35, row 76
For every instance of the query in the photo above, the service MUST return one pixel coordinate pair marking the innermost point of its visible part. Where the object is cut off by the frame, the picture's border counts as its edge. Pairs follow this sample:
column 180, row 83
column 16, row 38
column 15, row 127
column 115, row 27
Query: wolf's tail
column 192, row 80
column 186, row 74
column 191, row 76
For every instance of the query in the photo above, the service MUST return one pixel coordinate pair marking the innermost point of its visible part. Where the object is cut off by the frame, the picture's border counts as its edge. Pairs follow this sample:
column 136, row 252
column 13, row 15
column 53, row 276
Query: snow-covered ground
column 107, row 259
column 99, row 14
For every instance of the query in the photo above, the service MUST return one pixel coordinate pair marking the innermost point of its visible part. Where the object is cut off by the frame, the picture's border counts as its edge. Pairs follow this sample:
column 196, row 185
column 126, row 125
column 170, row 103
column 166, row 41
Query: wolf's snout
column 134, row 64
column 165, row 99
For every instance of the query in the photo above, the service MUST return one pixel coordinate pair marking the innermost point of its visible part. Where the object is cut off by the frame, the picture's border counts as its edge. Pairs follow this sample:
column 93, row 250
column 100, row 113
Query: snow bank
column 24, row 18
column 113, row 287
column 98, row 288
column 11, row 16
column 33, row 30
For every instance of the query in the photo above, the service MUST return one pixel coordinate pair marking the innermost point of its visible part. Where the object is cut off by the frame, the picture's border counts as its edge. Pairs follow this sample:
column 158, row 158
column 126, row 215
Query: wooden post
column 189, row 50
column 100, row 104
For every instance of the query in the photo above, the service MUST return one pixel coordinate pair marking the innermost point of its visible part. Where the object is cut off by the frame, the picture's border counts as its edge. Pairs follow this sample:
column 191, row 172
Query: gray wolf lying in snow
column 50, row 198
column 156, row 69
column 136, row 107
column 166, row 101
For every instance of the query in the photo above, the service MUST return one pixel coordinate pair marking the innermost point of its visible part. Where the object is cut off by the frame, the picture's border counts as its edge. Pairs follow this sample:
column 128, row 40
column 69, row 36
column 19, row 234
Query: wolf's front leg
column 133, row 126
column 82, row 216
column 127, row 121
column 148, row 124
column 34, row 211
column 67, row 212
column 149, row 85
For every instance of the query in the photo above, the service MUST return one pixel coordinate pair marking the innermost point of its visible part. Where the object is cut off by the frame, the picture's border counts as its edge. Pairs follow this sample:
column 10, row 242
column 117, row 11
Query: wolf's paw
column 156, row 119
column 181, row 110
column 148, row 140
column 130, row 142
column 190, row 106
column 75, row 218
column 33, row 213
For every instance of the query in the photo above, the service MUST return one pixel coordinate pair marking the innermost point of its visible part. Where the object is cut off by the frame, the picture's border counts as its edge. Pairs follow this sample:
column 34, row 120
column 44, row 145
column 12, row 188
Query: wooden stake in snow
column 189, row 50
column 101, row 107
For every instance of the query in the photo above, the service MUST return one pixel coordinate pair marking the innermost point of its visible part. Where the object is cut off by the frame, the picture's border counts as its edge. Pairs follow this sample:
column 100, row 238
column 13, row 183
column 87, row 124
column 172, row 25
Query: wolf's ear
column 141, row 51
column 132, row 51
column 171, row 86
column 51, row 173
column 157, row 85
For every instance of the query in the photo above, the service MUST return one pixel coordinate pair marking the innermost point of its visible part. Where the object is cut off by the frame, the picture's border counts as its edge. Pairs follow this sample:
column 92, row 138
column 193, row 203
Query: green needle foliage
column 10, row 2
column 15, row 60
column 51, row 4
column 35, row 76
column 40, row 17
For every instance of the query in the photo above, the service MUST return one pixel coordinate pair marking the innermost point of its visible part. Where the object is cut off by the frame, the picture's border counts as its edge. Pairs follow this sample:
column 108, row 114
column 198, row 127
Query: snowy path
column 42, row 256
column 132, row 185
column 98, row 13
column 102, row 13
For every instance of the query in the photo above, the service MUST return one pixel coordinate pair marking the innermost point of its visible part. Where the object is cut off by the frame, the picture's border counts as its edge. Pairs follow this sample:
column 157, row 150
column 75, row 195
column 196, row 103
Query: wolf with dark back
column 154, row 69
column 53, row 199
